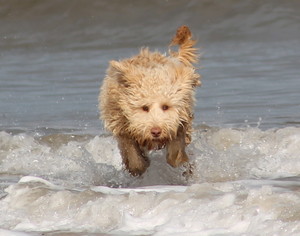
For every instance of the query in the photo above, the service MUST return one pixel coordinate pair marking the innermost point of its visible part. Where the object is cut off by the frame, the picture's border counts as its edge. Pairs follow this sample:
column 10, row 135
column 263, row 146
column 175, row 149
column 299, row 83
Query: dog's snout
column 156, row 132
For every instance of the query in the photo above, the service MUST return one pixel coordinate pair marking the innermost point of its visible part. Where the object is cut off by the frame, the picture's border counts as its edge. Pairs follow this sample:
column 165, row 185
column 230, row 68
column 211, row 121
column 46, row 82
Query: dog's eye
column 145, row 108
column 165, row 107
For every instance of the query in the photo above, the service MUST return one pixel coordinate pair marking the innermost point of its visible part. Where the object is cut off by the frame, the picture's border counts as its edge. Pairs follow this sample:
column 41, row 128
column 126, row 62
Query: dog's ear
column 187, row 76
column 118, row 71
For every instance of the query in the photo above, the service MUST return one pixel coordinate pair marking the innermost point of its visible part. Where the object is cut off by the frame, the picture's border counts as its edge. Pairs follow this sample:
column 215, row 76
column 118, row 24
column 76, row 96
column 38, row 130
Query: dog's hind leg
column 176, row 155
column 133, row 158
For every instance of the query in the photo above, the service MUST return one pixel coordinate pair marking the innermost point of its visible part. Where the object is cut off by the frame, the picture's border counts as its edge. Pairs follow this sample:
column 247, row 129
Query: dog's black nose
column 156, row 132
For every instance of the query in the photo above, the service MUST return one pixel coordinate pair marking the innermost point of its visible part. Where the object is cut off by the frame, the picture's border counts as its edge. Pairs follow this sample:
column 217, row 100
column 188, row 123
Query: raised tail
column 186, row 53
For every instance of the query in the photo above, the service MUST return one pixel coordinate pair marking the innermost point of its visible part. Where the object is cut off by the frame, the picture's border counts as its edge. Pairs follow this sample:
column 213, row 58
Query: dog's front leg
column 176, row 155
column 133, row 158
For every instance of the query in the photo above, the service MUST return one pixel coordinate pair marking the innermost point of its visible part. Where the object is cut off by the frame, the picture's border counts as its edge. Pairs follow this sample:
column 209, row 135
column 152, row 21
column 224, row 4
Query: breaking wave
column 241, row 177
column 218, row 154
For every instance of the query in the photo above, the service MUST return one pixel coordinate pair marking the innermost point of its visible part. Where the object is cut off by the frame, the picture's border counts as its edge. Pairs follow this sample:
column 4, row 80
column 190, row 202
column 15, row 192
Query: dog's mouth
column 159, row 140
column 155, row 143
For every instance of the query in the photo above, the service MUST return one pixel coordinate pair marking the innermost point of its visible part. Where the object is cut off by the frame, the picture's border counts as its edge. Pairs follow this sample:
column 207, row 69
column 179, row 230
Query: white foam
column 33, row 179
column 231, row 154
column 217, row 155
column 157, row 189
column 103, row 150
column 4, row 232
column 65, row 187
column 232, row 208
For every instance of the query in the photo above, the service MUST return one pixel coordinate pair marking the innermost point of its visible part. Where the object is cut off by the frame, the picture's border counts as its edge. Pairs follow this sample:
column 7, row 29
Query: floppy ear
column 188, row 76
column 118, row 71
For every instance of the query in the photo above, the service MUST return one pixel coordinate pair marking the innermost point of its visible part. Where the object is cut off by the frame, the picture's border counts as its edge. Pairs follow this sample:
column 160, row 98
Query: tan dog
column 147, row 102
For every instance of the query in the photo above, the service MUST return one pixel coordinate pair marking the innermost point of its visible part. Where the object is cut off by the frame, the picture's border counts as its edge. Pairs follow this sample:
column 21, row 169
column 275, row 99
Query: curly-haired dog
column 147, row 102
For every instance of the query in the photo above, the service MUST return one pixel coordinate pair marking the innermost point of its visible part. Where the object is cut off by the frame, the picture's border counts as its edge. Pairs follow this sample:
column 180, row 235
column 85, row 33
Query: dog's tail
column 186, row 53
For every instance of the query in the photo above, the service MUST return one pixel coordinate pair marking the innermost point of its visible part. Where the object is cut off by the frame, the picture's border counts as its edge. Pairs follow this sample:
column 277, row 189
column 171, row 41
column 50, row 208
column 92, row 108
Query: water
column 61, row 172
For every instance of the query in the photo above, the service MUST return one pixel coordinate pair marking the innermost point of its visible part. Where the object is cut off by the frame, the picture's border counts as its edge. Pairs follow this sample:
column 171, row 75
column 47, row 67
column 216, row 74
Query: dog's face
column 153, row 116
column 155, row 99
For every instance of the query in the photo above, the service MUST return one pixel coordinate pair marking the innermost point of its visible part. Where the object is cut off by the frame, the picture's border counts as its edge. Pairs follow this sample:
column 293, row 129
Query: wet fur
column 150, row 92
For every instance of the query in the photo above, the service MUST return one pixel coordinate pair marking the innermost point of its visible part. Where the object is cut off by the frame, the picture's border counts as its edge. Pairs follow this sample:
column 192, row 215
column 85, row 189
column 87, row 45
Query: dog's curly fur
column 147, row 102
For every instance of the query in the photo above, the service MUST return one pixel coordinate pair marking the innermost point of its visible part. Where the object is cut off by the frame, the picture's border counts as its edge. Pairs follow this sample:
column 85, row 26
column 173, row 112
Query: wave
column 217, row 154
column 245, row 182
column 232, row 208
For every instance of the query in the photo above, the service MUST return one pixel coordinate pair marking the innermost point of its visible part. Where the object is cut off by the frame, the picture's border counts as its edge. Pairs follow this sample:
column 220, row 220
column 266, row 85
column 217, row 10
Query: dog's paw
column 138, row 166
column 188, row 170
column 176, row 158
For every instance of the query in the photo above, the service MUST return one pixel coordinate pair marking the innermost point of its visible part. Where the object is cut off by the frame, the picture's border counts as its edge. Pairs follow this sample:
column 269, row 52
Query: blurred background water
column 54, row 55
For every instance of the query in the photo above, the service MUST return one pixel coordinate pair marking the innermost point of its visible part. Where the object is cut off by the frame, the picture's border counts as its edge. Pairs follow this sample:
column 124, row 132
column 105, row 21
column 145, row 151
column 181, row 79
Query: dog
column 147, row 102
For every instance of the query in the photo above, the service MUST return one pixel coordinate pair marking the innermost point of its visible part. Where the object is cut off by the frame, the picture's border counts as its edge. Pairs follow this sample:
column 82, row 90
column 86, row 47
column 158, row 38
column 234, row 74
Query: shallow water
column 61, row 173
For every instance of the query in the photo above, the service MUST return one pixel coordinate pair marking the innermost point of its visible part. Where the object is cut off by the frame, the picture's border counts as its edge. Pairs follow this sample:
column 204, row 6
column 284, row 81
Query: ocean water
column 61, row 173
